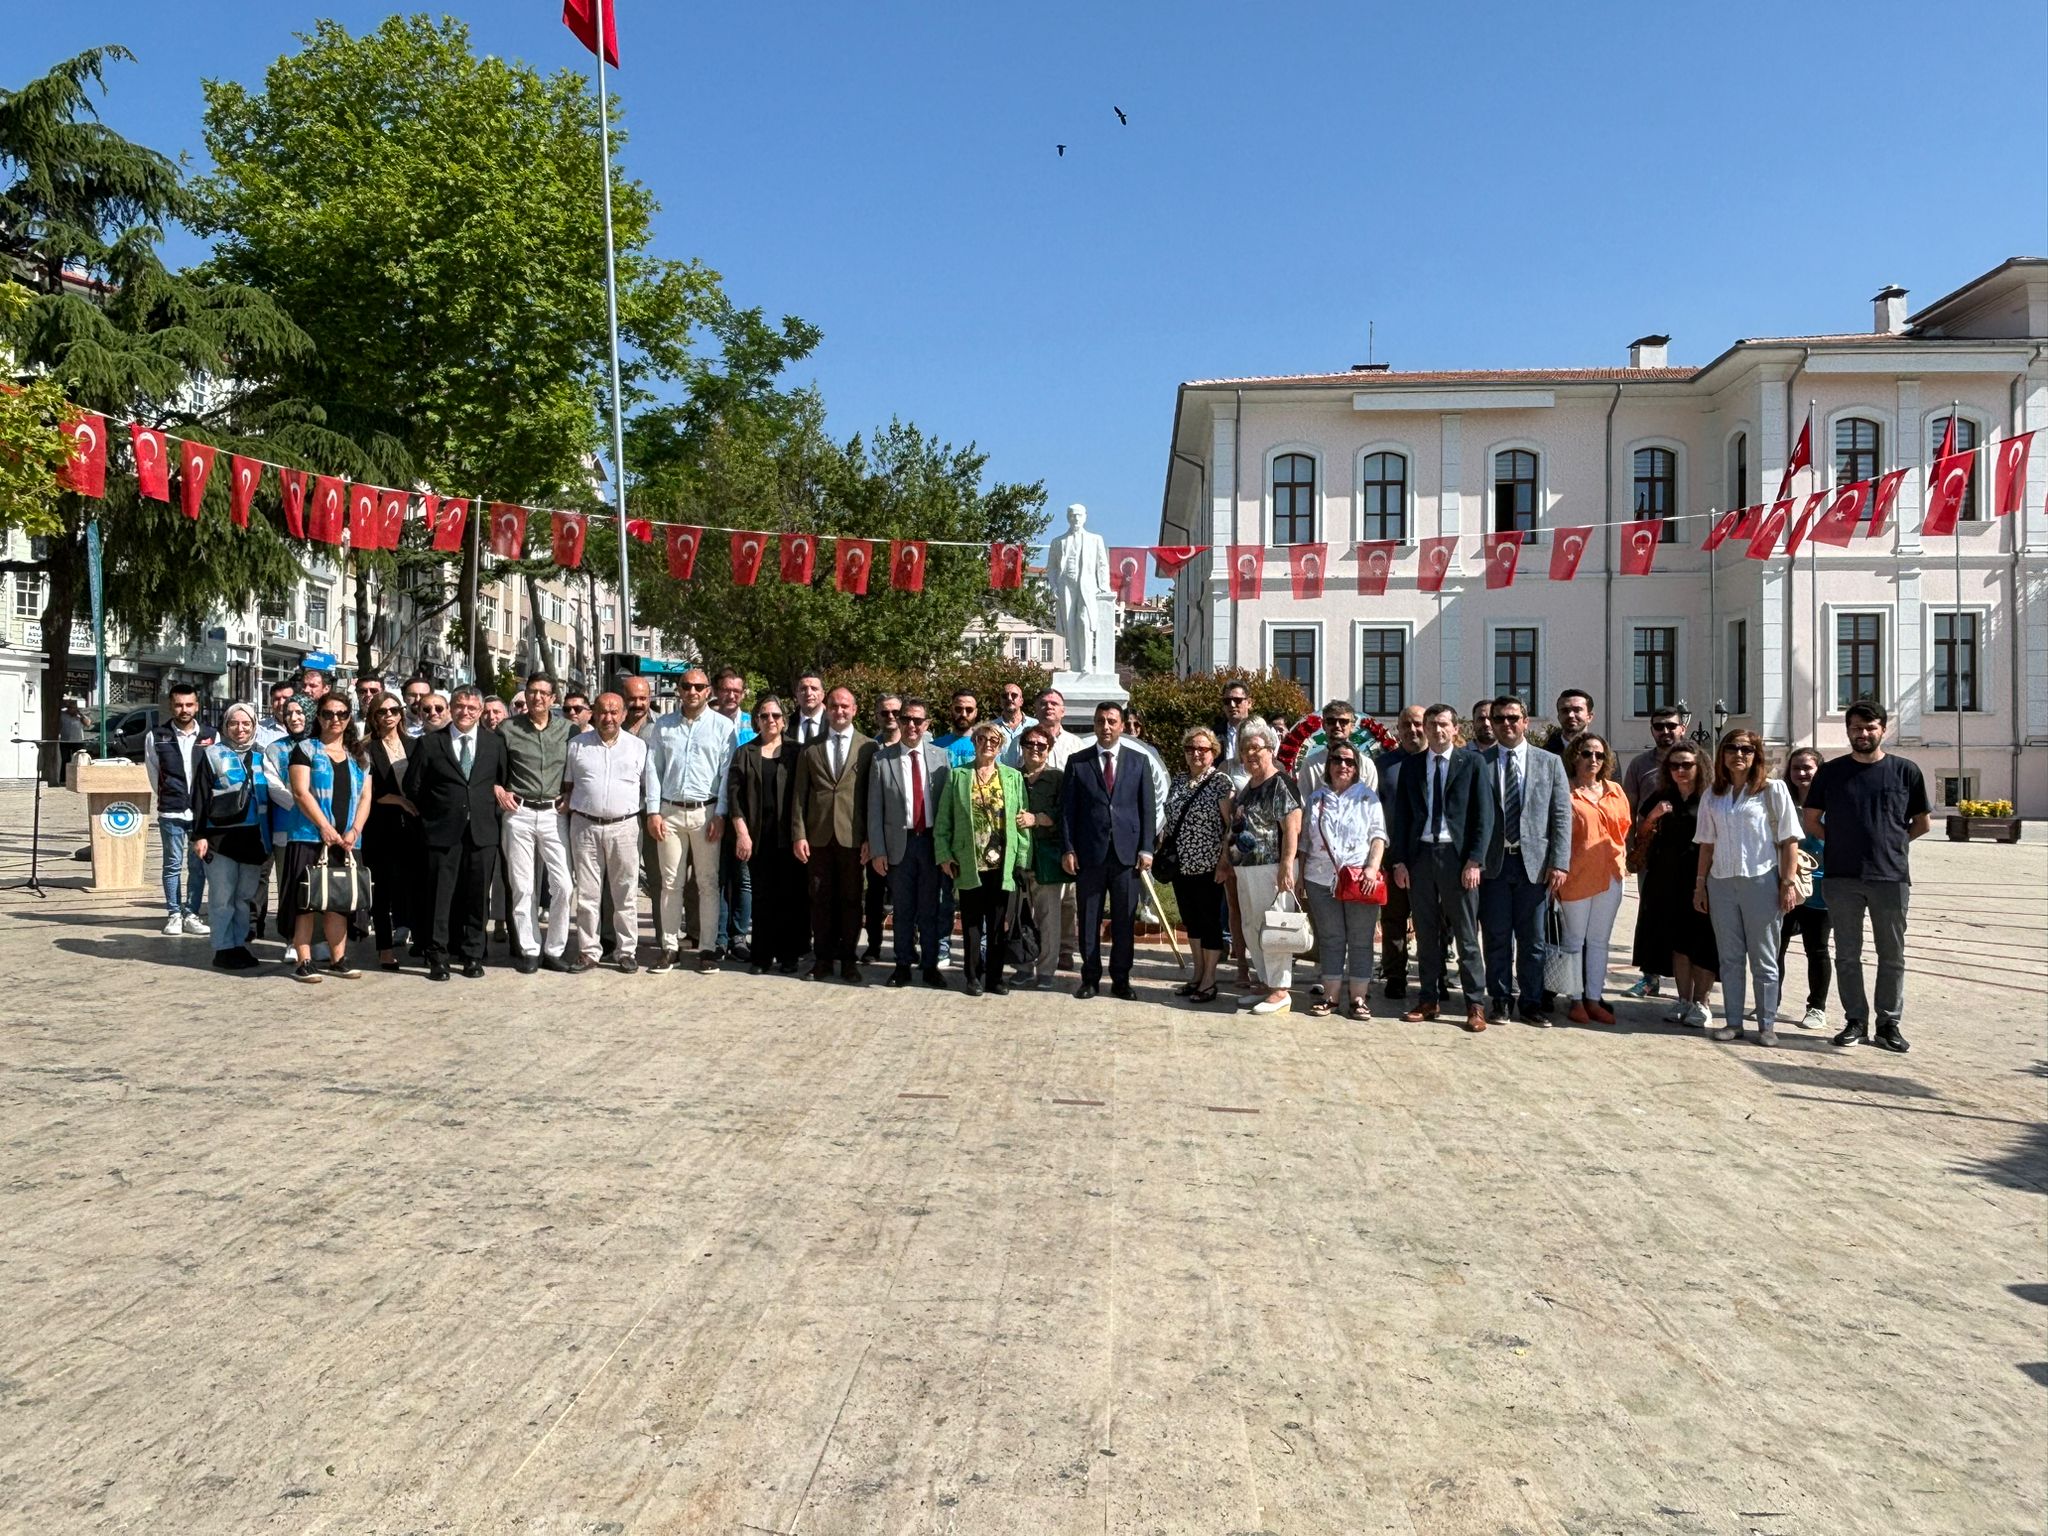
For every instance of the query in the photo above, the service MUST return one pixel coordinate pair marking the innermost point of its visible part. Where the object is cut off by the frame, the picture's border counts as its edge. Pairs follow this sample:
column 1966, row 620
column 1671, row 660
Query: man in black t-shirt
column 1868, row 808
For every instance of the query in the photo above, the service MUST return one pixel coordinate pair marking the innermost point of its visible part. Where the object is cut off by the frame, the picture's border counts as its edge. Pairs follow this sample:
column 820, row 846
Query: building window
column 316, row 610
column 487, row 613
column 1737, row 698
column 553, row 608
column 1383, row 672
column 1966, row 439
column 275, row 607
column 1858, row 445
column 1514, row 662
column 1656, row 493
column 1294, row 657
column 1045, row 652
column 1514, row 492
column 1383, row 497
column 1020, row 649
column 1738, row 470
column 1954, row 790
column 28, row 597
column 1656, row 668
column 1955, row 662
column 1859, row 644
column 1294, row 499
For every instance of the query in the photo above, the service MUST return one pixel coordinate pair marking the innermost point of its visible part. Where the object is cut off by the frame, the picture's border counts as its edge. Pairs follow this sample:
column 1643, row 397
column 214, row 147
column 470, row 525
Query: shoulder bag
column 1354, row 882
column 1166, row 862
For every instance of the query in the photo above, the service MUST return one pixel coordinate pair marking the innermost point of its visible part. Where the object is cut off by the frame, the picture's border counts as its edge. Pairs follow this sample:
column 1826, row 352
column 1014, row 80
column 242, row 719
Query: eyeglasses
column 1237, row 699
column 334, row 714
column 1666, row 725
column 1343, row 762
column 1735, row 751
column 888, row 714
column 1195, row 747
column 387, row 711
column 1034, row 746
column 696, row 687
column 1684, row 767
column 915, row 719
column 771, row 715
column 437, row 709
column 1594, row 757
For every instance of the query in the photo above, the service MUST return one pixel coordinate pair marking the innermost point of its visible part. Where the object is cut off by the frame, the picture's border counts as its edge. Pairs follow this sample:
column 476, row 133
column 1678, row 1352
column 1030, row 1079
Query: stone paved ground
column 649, row 1254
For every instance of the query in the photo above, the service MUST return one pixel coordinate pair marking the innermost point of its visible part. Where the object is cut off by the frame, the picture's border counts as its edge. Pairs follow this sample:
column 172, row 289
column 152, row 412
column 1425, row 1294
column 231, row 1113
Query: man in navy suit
column 1440, row 843
column 1106, row 831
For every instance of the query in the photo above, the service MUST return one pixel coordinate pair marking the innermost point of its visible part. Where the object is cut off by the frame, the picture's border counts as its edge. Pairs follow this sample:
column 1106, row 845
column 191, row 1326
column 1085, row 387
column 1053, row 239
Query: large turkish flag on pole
column 1802, row 457
column 580, row 17
column 2012, row 473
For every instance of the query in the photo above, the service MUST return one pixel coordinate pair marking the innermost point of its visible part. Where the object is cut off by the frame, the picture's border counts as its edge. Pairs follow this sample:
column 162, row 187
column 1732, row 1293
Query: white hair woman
column 1265, row 840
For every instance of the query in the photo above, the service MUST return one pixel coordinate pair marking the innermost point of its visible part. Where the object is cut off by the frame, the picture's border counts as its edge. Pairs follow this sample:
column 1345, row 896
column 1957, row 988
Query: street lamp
column 1720, row 718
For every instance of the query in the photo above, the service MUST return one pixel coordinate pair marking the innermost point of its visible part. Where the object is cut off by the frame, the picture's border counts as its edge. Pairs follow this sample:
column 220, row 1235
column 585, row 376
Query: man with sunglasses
column 888, row 730
column 1527, row 859
column 1011, row 716
column 1339, row 721
column 453, row 780
column 576, row 709
column 909, row 779
column 691, row 748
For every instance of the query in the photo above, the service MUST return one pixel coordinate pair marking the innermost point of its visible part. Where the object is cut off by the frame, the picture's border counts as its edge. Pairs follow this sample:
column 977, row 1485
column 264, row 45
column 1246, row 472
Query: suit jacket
column 1098, row 827
column 889, row 796
column 1546, row 830
column 824, row 813
column 454, row 810
column 747, row 793
column 1468, row 807
column 1389, row 763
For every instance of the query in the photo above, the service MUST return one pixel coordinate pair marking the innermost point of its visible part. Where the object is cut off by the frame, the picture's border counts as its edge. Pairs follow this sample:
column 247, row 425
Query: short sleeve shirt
column 1867, row 811
column 1261, row 808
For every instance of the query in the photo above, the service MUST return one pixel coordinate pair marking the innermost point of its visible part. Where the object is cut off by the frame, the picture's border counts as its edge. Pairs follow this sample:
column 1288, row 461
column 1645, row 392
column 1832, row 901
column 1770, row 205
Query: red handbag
column 1356, row 883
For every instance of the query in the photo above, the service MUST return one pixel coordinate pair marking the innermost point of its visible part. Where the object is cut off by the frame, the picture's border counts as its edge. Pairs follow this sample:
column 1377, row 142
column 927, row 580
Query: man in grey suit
column 903, row 804
column 1526, row 860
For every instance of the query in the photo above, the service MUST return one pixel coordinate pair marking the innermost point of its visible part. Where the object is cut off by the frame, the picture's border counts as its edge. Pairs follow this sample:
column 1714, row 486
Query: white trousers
column 1257, row 885
column 1588, row 925
column 686, row 840
column 534, row 841
column 607, row 860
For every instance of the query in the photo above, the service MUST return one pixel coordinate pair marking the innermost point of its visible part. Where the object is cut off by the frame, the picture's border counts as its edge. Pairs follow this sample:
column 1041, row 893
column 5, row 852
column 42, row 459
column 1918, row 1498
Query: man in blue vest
column 167, row 759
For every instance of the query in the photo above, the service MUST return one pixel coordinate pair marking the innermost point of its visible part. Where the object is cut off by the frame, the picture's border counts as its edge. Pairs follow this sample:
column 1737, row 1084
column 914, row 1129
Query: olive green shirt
column 539, row 757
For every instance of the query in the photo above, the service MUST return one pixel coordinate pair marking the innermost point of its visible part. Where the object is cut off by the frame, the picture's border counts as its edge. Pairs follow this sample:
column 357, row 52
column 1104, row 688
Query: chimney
column 1371, row 367
column 1648, row 352
column 1888, row 311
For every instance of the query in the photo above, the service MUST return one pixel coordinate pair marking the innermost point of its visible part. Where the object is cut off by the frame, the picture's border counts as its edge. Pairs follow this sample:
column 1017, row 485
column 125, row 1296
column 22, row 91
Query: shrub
column 1169, row 705
column 1976, row 808
column 935, row 685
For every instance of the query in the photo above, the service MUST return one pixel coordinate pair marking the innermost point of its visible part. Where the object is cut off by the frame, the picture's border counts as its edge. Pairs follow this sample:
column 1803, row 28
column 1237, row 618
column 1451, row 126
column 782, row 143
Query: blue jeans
column 230, row 892
column 735, row 894
column 914, row 893
column 184, row 874
column 1511, row 922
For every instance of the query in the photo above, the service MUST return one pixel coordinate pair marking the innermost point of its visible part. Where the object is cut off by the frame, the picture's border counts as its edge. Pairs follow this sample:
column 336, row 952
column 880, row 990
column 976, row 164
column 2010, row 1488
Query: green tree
column 1147, row 649
column 33, row 444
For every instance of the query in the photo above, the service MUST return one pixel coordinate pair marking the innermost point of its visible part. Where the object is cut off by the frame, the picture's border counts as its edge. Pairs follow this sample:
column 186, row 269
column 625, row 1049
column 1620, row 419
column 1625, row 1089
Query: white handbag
column 1284, row 929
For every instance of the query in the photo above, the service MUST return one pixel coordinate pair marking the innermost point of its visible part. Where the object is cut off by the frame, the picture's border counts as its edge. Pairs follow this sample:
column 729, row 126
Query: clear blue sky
column 1496, row 185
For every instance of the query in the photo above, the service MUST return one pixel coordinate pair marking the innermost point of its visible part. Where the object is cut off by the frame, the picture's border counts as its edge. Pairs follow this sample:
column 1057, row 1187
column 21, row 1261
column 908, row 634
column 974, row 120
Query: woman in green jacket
column 980, row 845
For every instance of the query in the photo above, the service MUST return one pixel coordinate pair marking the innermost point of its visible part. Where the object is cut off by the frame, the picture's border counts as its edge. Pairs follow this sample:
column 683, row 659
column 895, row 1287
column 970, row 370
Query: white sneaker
column 1814, row 1019
column 196, row 924
column 1676, row 1015
column 174, row 926
column 1696, row 1015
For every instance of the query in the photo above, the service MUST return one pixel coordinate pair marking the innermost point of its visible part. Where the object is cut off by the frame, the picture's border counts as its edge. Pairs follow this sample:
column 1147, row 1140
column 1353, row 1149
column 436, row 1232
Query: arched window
column 1656, row 488
column 1859, row 449
column 1966, row 439
column 1514, row 492
column 1383, row 497
column 1294, row 499
column 1738, row 471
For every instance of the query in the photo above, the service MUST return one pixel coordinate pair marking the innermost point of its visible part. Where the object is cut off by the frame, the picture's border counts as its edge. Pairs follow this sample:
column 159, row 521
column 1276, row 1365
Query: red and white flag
column 1005, row 567
column 293, row 484
column 580, row 17
column 2011, row 481
column 245, row 476
column 641, row 529
column 748, row 549
column 447, row 521
column 1802, row 457
column 1746, row 526
column 569, row 530
column 1375, row 565
column 362, row 517
column 1639, row 542
column 797, row 557
column 86, row 470
column 1567, row 549
column 906, row 564
column 1803, row 524
column 1127, row 575
column 1947, row 484
column 852, row 559
column 1764, row 542
column 330, row 509
column 1837, row 525
column 391, row 508
column 508, row 530
column 1436, row 560
column 152, row 462
column 1503, row 554
column 1306, row 566
column 1881, row 500
column 1724, row 527
column 681, row 546
column 1247, row 570
column 195, row 465
column 1169, row 558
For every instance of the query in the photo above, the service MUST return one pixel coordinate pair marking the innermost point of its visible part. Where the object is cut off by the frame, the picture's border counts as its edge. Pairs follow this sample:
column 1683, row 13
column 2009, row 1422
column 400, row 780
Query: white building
column 1785, row 645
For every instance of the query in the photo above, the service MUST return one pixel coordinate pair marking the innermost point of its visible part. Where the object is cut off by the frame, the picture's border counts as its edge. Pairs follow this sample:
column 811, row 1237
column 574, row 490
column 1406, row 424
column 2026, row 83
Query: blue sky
column 1493, row 185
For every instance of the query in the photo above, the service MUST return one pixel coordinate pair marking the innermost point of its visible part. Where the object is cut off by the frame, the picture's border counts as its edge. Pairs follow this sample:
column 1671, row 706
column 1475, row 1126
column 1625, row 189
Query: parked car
column 129, row 730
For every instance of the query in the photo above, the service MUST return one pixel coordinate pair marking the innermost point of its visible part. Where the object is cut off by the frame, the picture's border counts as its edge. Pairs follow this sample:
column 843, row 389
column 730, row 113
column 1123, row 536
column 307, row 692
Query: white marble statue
column 1077, row 566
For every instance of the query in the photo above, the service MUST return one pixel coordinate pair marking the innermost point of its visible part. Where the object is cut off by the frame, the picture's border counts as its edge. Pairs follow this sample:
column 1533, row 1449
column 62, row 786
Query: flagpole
column 1813, row 599
column 1955, row 623
column 611, row 301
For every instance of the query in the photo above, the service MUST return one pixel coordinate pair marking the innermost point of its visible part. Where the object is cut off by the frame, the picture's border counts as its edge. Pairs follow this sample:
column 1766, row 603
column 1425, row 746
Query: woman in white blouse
column 1748, row 838
column 1343, row 827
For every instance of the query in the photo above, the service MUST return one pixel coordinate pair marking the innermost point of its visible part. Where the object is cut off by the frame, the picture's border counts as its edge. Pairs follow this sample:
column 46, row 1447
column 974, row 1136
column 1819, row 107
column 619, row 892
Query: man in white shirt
column 611, row 790
column 167, row 760
column 809, row 723
column 1339, row 720
column 691, row 749
column 1052, row 714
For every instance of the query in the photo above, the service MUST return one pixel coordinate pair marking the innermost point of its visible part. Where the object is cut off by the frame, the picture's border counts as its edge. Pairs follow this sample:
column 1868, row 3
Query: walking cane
column 1152, row 895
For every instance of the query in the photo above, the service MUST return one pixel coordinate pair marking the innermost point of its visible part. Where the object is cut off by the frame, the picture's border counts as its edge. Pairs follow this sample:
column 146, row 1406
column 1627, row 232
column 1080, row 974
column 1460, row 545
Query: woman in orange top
column 1591, row 895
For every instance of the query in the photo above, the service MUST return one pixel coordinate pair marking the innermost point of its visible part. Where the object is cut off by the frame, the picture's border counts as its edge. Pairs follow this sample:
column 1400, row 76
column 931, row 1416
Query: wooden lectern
column 117, row 800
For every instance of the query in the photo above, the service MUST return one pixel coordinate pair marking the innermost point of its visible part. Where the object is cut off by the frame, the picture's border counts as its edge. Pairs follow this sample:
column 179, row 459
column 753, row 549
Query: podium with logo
column 117, row 801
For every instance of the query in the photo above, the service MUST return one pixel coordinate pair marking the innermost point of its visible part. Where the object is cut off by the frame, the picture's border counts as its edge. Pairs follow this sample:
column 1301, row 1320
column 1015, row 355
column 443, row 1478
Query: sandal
column 1359, row 1009
column 1319, row 1009
column 1204, row 995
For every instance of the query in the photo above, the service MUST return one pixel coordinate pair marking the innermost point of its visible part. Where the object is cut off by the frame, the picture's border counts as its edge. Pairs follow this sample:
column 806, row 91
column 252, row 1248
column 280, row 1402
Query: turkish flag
column 362, row 517
column 1436, row 560
column 852, row 559
column 580, row 17
column 1005, row 567
column 1746, row 526
column 906, row 564
column 747, row 551
column 1375, row 564
column 640, row 528
column 1567, row 549
column 195, row 465
column 1127, row 575
column 1803, row 524
column 508, row 530
column 1947, row 485
column 152, row 462
column 1639, row 542
column 446, row 522
column 330, row 509
column 1948, row 438
column 247, row 475
column 682, row 550
column 2011, row 482
column 1306, row 565
column 293, row 483
column 569, row 529
column 1837, row 525
column 799, row 557
column 86, row 470
column 1247, row 569
column 391, row 507
column 1764, row 542
column 1503, row 553
column 1802, row 457
column 1882, row 498
column 1169, row 558
column 1724, row 525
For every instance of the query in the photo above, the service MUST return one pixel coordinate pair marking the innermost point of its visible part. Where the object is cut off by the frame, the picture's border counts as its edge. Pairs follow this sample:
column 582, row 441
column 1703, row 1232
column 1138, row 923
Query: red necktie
column 917, row 790
column 1108, row 774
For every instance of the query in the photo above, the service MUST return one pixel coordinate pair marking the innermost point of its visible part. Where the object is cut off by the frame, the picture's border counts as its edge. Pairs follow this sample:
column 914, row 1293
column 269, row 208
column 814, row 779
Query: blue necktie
column 1436, row 796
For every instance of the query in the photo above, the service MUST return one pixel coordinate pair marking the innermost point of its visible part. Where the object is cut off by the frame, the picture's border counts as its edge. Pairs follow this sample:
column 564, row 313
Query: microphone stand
column 34, row 882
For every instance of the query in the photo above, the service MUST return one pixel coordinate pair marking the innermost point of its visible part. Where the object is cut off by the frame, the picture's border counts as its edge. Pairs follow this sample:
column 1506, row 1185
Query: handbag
column 1026, row 943
column 1564, row 972
column 330, row 887
column 1355, row 883
column 1284, row 929
column 1805, row 866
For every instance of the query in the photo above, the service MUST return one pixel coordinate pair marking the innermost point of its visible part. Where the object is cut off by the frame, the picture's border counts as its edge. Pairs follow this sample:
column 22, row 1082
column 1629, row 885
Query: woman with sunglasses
column 1045, row 882
column 1193, row 855
column 757, row 805
column 330, row 810
column 1343, row 827
column 1671, row 938
column 1590, row 898
column 393, row 842
column 1748, row 837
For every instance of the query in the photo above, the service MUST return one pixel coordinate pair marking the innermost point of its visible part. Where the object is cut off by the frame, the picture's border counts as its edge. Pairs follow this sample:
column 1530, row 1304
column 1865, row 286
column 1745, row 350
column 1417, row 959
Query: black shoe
column 1540, row 1017
column 849, row 972
column 626, row 964
column 788, row 967
column 553, row 963
column 1086, row 990
column 1000, row 989
column 1853, row 1033
column 762, row 968
column 1889, row 1039
column 472, row 969
column 973, row 989
column 1122, row 989
column 664, row 961
column 526, row 965
column 1549, row 1001
column 580, row 964
column 707, row 960
column 1396, row 991
column 305, row 972
column 900, row 977
column 933, row 978
column 741, row 952
column 1497, row 1011
column 872, row 953
column 224, row 960
column 437, row 970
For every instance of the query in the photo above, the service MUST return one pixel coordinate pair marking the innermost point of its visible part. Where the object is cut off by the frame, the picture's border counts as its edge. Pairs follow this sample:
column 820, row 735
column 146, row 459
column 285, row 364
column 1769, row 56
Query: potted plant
column 1985, row 820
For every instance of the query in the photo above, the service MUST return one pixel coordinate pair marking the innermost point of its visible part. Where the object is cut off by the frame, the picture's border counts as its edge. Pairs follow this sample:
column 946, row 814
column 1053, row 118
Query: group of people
column 785, row 832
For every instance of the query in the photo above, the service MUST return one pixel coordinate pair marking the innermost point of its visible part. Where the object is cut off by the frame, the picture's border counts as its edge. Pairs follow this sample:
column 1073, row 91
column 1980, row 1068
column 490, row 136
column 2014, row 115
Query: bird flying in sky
column 1062, row 149
column 1121, row 117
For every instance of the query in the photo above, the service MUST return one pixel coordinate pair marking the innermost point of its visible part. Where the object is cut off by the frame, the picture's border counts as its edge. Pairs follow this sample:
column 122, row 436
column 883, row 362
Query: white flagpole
column 611, row 300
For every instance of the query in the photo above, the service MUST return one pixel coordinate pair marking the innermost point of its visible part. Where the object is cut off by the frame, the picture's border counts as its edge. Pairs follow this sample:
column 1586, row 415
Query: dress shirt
column 457, row 737
column 608, row 779
column 838, row 747
column 538, row 756
column 805, row 729
column 924, row 781
column 269, row 731
column 187, row 741
column 1436, row 823
column 693, row 757
column 1745, row 829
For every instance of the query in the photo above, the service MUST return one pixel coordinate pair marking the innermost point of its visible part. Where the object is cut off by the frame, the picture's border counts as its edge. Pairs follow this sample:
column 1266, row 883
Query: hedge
column 1167, row 706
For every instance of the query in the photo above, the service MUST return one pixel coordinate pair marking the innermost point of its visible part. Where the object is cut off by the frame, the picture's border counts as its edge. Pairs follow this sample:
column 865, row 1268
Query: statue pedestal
column 1083, row 691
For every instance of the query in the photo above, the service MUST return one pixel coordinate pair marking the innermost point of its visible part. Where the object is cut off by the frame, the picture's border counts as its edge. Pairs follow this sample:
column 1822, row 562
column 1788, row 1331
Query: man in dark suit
column 904, row 792
column 1107, row 821
column 1526, row 861
column 452, row 777
column 828, row 825
column 1440, row 840
column 1394, row 921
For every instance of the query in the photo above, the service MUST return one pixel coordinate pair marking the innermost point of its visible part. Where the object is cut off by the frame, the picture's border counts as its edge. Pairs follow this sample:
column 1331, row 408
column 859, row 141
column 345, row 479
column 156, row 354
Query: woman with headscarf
column 231, row 832
column 295, row 718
